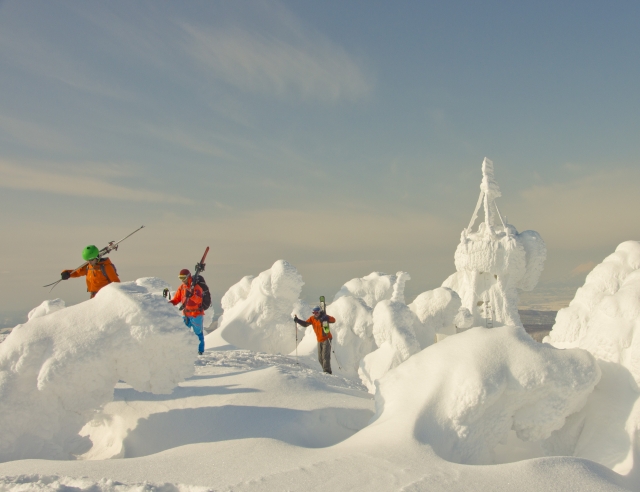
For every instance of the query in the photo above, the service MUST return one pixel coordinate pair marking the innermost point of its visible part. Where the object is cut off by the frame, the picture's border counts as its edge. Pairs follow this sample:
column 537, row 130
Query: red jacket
column 194, row 304
column 103, row 273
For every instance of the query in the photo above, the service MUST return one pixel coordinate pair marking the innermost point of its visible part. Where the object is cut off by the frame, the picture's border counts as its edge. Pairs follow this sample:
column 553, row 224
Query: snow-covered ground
column 448, row 392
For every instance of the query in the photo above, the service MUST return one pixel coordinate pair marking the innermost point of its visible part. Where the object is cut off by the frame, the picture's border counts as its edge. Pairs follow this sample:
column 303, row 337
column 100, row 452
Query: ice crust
column 57, row 370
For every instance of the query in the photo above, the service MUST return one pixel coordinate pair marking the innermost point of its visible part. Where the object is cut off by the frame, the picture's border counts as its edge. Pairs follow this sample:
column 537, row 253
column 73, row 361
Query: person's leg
column 196, row 325
column 326, row 356
column 320, row 354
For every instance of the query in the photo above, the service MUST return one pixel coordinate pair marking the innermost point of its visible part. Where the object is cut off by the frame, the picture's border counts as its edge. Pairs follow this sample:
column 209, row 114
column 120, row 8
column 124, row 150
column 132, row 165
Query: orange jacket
column 194, row 304
column 103, row 273
column 317, row 326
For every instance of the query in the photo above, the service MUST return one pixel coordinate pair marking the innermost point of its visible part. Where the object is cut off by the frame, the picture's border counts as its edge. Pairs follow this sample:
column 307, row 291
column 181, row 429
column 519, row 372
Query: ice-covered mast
column 495, row 261
column 489, row 191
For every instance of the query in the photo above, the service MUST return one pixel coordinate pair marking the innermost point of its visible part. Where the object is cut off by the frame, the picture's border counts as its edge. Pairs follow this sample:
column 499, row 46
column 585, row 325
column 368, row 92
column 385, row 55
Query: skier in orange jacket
column 324, row 345
column 99, row 271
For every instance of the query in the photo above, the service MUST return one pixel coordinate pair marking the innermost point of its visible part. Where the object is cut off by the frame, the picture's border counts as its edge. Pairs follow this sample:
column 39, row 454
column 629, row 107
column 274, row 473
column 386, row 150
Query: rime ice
column 494, row 261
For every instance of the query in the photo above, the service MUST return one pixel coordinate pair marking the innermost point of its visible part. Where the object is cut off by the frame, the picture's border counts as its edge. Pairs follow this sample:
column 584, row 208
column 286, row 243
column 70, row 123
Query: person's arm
column 177, row 297
column 301, row 322
column 80, row 272
column 328, row 318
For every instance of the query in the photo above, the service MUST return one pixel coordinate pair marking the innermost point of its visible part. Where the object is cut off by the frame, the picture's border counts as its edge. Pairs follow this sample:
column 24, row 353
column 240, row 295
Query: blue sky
column 344, row 137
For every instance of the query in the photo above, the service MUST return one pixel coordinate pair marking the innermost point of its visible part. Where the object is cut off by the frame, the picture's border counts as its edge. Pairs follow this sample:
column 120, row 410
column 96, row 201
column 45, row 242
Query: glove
column 295, row 318
column 165, row 293
column 65, row 275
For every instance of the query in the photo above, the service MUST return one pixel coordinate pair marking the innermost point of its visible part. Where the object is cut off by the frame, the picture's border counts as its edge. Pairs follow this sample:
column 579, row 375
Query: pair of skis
column 326, row 329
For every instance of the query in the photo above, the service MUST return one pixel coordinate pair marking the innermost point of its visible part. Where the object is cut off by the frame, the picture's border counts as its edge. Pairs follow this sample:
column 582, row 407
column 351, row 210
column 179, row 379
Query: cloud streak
column 311, row 69
column 23, row 177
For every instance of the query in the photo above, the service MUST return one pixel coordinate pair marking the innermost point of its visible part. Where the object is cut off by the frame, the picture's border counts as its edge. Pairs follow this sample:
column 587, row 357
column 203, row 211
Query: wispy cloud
column 49, row 61
column 309, row 67
column 20, row 176
column 35, row 135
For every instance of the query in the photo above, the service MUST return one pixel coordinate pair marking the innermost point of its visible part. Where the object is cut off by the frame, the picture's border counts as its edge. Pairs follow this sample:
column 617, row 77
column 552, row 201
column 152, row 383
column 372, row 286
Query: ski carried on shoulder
column 112, row 246
column 326, row 329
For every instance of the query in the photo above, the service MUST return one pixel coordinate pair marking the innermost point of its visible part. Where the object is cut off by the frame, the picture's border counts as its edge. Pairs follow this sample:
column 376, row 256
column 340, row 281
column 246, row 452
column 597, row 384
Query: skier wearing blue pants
column 192, row 301
column 195, row 324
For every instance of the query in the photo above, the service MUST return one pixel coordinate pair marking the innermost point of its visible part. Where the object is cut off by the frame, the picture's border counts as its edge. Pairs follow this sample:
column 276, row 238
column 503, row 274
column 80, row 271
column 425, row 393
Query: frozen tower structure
column 494, row 261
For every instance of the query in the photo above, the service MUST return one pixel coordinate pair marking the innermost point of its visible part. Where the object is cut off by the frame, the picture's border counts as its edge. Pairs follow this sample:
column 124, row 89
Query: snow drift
column 56, row 370
column 47, row 307
column 604, row 318
column 258, row 310
column 478, row 386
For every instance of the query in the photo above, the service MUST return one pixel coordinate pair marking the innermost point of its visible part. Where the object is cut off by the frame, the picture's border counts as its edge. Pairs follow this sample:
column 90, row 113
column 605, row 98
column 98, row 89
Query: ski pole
column 334, row 354
column 296, row 325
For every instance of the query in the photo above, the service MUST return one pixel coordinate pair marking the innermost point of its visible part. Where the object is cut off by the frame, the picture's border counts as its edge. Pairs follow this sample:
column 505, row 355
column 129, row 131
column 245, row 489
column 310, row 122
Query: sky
column 343, row 137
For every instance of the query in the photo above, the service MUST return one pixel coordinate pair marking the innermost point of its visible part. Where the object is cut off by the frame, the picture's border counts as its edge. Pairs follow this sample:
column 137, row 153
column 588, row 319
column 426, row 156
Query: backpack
column 206, row 295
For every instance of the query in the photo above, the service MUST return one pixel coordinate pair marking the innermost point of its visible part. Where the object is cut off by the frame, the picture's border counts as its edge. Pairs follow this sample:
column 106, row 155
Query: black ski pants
column 324, row 355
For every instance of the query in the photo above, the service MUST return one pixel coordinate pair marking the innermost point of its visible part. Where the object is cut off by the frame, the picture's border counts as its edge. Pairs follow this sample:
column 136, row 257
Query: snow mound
column 47, row 307
column 478, row 386
column 372, row 289
column 258, row 311
column 436, row 311
column 604, row 318
column 394, row 335
column 57, row 370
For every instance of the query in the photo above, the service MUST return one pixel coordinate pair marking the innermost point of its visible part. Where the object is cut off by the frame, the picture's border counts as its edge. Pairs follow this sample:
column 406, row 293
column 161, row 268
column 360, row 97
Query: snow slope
column 248, row 421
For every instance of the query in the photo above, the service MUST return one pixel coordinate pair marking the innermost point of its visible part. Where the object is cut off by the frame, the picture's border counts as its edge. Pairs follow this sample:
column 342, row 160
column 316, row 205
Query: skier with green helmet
column 99, row 271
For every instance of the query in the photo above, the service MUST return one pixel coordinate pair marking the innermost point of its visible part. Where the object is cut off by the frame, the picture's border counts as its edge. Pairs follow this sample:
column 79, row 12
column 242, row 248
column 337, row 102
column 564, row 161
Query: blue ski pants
column 196, row 325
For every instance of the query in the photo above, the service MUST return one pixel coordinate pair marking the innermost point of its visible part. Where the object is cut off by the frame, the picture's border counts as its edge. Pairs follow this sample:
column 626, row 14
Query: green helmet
column 90, row 252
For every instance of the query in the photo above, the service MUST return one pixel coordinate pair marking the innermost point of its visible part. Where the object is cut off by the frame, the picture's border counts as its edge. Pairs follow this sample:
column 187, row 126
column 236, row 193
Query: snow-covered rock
column 57, row 370
column 258, row 310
